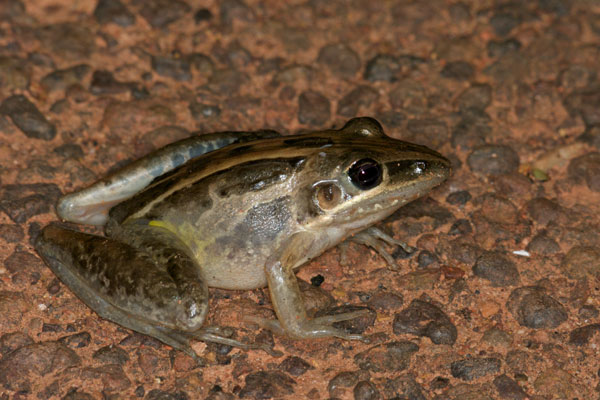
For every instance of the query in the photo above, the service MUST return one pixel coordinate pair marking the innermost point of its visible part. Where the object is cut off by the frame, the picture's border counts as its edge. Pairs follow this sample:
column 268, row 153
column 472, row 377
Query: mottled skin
column 240, row 217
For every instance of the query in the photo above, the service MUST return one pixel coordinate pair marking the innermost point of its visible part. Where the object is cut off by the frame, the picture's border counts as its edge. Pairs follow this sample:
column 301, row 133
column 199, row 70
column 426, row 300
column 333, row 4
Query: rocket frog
column 232, row 210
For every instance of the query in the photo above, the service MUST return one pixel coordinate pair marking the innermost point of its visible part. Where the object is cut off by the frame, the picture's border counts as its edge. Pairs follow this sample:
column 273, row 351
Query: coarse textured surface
column 509, row 91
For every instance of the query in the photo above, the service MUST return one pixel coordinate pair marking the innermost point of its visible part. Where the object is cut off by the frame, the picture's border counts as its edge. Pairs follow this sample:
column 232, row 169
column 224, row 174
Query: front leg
column 287, row 299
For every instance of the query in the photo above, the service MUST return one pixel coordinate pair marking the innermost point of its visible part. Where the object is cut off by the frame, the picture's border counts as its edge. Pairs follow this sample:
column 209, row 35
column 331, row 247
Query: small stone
column 543, row 211
column 403, row 387
column 12, row 341
column 542, row 244
column 428, row 131
column 22, row 201
column 493, row 160
column 161, row 13
column 497, row 48
column 533, row 308
column 460, row 227
column 313, row 108
column 588, row 312
column 382, row 67
column 114, row 11
column 69, row 150
column 11, row 233
column 25, row 115
column 176, row 67
column 365, row 390
column 226, row 81
column 103, row 82
column 14, row 73
column 473, row 368
column 472, row 129
column 497, row 269
column 295, row 366
column 508, row 388
column 591, row 136
column 202, row 15
column 340, row 59
column 458, row 70
column 425, row 319
column 478, row 96
column 385, row 301
column 267, row 384
column 361, row 96
column 582, row 335
column 459, row 198
column 230, row 10
column 389, row 357
column 585, row 103
column 409, row 95
column 581, row 262
column 76, row 341
column 503, row 23
column 112, row 377
column 587, row 168
column 392, row 119
column 497, row 337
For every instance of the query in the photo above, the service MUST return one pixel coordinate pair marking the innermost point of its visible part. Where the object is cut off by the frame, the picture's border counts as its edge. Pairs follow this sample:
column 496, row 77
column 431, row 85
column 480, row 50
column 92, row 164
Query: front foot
column 320, row 327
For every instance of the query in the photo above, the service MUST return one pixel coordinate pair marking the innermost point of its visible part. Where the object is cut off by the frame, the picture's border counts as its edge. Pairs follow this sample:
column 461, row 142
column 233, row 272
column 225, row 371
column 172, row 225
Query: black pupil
column 365, row 173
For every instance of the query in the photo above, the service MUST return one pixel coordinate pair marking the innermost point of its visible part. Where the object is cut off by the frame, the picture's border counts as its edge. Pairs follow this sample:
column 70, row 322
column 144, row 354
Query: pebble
column 477, row 96
column 474, row 367
column 581, row 262
column 113, row 11
column 472, row 129
column 314, row 109
column 111, row 355
column 14, row 73
column 508, row 388
column 533, row 308
column 586, row 168
column 497, row 269
column 267, row 384
column 361, row 96
column 388, row 357
column 176, row 67
column 458, row 70
column 366, row 390
column 11, row 233
column 340, row 59
column 161, row 13
column 25, row 115
column 425, row 319
column 493, row 160
column 295, row 366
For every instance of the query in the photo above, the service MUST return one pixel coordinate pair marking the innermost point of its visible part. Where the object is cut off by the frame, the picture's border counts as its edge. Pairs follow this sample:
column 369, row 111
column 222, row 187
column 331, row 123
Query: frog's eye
column 327, row 195
column 365, row 174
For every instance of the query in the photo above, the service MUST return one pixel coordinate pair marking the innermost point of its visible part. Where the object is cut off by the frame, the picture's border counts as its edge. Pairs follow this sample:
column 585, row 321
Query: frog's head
column 363, row 176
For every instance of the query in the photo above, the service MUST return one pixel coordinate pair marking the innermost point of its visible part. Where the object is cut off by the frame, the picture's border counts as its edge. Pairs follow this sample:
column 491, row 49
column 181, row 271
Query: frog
column 235, row 211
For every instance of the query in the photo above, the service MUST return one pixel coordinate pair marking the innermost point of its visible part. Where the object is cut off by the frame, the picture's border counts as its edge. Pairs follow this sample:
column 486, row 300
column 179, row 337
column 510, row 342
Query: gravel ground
column 501, row 299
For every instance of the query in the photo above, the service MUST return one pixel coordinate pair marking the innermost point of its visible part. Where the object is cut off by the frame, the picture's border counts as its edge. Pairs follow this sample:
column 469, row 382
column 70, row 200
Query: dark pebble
column 24, row 267
column 202, row 15
column 69, row 151
column 428, row 131
column 581, row 262
column 61, row 79
column 157, row 394
column 472, row 129
column 234, row 54
column 478, row 96
column 588, row 311
column 103, row 82
column 341, row 60
column 576, row 77
column 343, row 380
column 202, row 63
column 160, row 13
column 403, row 387
column 425, row 319
column 508, row 388
column 295, row 366
column 582, row 335
column 176, row 67
column 543, row 211
column 497, row 269
column 15, row 74
column 11, row 233
column 394, row 356
column 74, row 394
column 111, row 355
column 587, row 168
column 493, row 160
column 76, row 341
column 202, row 111
column 385, row 301
column 362, row 96
column 533, row 308
column 409, row 95
column 459, row 198
column 382, row 67
column 426, row 258
column 112, row 376
column 458, row 70
column 313, row 108
column 46, row 327
column 472, row 368
column 497, row 48
column 366, row 390
column 585, row 103
column 21, row 202
column 25, row 115
column 424, row 207
column 591, row 136
column 391, row 118
column 60, row 106
column 439, row 382
column 317, row 280
column 12, row 341
column 460, row 227
column 542, row 244
column 558, row 7
column 34, row 360
column 226, row 81
column 267, row 384
column 503, row 23
column 71, row 40
column 234, row 9
column 53, row 287
column 114, row 11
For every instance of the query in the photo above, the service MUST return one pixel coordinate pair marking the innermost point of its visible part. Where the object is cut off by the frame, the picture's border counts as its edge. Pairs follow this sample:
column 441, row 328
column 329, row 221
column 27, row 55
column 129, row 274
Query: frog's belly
column 239, row 273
